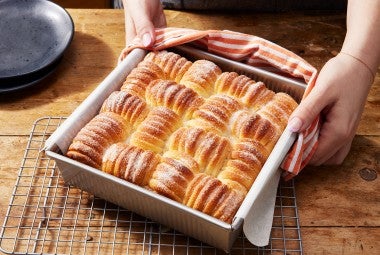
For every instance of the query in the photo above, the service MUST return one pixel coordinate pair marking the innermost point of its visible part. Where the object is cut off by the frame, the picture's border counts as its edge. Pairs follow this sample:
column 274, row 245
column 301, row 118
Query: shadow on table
column 71, row 76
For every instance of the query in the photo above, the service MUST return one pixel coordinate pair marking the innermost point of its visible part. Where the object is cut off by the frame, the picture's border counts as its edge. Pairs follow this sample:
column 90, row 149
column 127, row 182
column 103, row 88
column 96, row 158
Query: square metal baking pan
column 147, row 203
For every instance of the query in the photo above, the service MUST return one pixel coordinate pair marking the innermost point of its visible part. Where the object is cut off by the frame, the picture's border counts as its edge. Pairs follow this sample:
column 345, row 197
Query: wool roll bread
column 186, row 130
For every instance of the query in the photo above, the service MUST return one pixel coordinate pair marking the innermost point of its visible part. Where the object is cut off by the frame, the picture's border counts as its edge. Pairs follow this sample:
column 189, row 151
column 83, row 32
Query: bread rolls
column 186, row 130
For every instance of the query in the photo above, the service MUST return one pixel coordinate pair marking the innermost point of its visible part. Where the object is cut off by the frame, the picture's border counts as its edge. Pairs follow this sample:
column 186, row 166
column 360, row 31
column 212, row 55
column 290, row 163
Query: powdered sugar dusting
column 187, row 131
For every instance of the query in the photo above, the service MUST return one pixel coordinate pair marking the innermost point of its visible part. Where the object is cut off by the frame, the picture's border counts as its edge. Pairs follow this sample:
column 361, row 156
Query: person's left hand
column 141, row 18
column 339, row 97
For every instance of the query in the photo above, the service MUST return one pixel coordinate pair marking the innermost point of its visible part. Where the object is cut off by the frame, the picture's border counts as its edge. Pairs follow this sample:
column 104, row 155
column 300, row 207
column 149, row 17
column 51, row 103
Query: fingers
column 130, row 30
column 130, row 34
column 333, row 144
column 122, row 55
column 338, row 109
column 336, row 157
column 160, row 19
column 339, row 156
column 143, row 16
column 308, row 110
column 337, row 127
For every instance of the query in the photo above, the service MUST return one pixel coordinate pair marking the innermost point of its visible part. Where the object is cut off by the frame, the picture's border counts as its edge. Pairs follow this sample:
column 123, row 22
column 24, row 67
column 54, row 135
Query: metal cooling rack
column 45, row 216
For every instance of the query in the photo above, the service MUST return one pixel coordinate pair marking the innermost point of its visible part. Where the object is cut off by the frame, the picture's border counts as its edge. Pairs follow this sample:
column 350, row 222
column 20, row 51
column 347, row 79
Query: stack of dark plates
column 33, row 37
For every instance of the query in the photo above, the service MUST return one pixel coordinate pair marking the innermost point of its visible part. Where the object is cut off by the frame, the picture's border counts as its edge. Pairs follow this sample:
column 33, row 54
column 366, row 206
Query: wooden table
column 339, row 209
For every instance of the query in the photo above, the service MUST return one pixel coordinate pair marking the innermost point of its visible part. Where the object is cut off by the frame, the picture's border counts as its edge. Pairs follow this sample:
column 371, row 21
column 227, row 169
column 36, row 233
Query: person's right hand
column 339, row 97
column 141, row 17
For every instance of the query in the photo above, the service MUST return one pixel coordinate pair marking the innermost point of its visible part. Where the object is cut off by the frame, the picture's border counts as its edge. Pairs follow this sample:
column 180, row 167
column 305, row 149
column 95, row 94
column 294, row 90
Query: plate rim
column 71, row 31
column 50, row 69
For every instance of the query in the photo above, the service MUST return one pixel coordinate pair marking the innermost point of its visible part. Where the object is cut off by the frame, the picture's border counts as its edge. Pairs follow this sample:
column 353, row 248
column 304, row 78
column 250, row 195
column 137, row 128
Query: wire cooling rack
column 45, row 216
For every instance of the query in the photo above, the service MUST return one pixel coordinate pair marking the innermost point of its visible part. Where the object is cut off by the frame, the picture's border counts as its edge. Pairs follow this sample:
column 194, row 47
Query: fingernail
column 146, row 39
column 295, row 124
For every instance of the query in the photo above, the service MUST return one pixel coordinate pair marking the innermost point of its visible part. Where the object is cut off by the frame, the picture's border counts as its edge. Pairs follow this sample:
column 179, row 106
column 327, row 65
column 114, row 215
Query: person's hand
column 141, row 17
column 339, row 97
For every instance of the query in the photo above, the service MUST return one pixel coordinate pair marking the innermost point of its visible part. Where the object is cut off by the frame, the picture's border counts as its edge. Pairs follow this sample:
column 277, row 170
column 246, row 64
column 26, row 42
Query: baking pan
column 149, row 204
column 34, row 36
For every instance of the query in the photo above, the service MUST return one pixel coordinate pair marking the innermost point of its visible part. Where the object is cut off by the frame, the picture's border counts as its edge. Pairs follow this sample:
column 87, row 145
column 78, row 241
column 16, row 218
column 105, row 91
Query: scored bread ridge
column 186, row 130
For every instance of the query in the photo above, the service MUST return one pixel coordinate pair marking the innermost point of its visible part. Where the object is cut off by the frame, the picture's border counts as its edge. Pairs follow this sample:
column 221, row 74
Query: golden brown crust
column 278, row 110
column 233, row 84
column 130, row 163
column 132, row 108
column 215, row 113
column 140, row 77
column 207, row 148
column 251, row 125
column 257, row 96
column 177, row 97
column 172, row 176
column 201, row 77
column 247, row 159
column 186, row 131
column 155, row 129
column 209, row 195
column 92, row 140
column 173, row 65
column 251, row 93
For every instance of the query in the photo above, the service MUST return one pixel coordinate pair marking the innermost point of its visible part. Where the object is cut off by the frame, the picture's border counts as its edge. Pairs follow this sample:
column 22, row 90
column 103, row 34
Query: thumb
column 309, row 109
column 146, row 33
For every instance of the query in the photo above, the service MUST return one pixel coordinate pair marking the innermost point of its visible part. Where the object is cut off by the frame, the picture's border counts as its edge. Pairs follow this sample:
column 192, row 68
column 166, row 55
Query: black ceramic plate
column 33, row 36
column 23, row 82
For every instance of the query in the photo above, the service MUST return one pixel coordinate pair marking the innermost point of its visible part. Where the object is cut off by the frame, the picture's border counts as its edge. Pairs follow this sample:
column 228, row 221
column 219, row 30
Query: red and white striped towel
column 254, row 51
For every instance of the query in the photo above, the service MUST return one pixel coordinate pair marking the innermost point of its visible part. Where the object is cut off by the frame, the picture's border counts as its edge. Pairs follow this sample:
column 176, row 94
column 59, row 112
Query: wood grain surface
column 339, row 209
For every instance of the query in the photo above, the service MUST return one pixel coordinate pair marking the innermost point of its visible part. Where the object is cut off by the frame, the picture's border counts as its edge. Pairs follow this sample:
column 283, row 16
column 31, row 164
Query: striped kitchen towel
column 255, row 51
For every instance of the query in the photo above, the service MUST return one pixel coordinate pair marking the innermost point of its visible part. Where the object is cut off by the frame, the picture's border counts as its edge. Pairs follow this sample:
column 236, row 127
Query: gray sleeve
column 255, row 5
